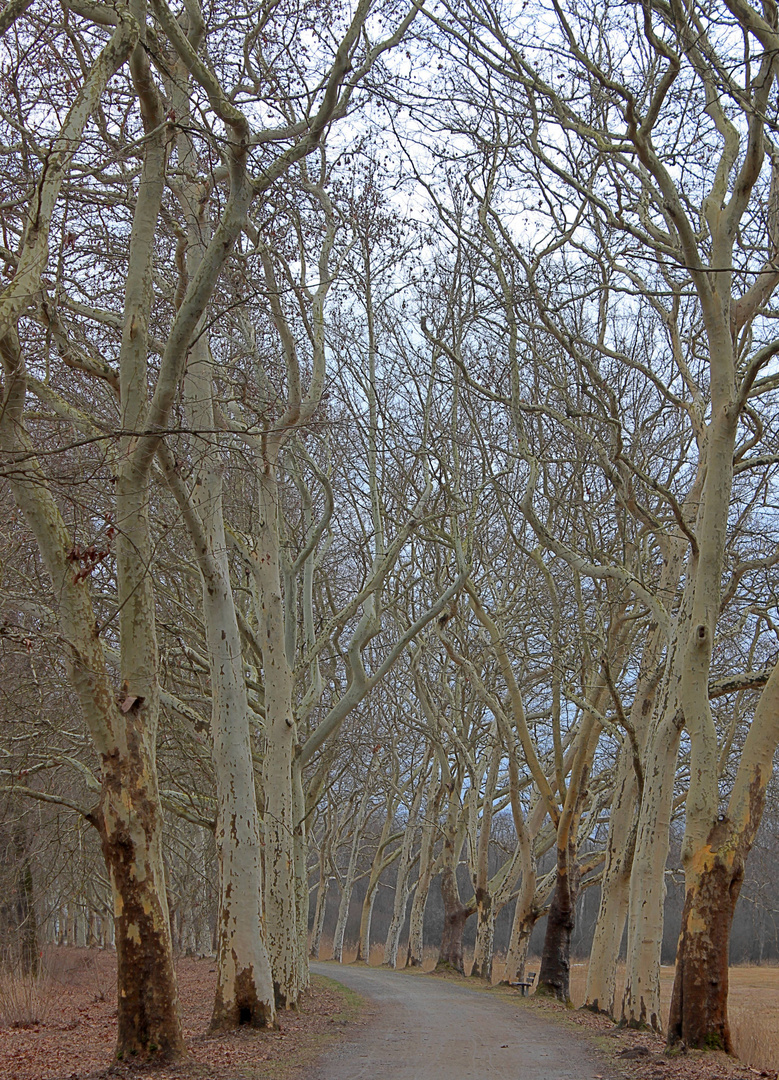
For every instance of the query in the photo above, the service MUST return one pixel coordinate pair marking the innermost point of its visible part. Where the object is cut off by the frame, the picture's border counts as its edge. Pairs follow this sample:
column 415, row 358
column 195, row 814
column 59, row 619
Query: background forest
column 389, row 440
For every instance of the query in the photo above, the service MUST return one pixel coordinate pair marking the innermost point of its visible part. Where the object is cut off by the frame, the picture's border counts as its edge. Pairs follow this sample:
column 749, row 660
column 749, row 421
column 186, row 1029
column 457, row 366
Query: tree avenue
column 389, row 442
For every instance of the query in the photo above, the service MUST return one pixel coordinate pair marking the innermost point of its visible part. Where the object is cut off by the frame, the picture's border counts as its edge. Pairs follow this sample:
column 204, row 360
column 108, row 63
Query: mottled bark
column 366, row 917
column 713, row 876
column 347, row 883
column 486, row 908
column 130, row 826
column 402, row 889
column 485, row 937
column 699, row 1015
column 601, row 990
column 455, row 916
column 319, row 914
column 129, row 818
column 641, row 998
column 554, row 977
column 525, row 919
column 290, row 969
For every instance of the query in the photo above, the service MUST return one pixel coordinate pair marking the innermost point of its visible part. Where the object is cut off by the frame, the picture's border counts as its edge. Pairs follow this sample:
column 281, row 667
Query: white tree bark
column 601, row 990
column 427, row 866
column 402, row 889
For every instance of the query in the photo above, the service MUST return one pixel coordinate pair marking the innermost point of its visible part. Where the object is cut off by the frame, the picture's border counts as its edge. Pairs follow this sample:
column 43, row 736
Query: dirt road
column 431, row 1029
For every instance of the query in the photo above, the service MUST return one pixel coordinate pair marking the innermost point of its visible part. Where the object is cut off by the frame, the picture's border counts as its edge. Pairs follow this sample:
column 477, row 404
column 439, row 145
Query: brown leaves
column 78, row 1037
column 88, row 558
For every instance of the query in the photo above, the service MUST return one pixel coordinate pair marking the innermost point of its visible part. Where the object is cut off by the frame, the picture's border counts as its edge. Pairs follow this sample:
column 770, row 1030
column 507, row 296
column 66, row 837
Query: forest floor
column 64, row 1028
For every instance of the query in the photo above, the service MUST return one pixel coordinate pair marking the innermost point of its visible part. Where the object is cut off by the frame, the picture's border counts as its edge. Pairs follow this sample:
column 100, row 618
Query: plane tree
column 114, row 326
column 666, row 150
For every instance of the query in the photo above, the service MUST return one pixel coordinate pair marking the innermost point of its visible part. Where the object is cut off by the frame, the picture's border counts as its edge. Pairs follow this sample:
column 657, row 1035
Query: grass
column 24, row 998
column 753, row 1008
column 305, row 1051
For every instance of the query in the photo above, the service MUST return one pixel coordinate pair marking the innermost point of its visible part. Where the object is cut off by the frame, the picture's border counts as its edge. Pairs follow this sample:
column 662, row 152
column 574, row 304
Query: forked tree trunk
column 323, row 887
column 641, row 999
column 416, row 919
column 601, row 990
column 378, row 866
column 392, row 943
column 347, row 884
column 244, row 991
column 347, row 888
column 483, row 896
column 657, row 724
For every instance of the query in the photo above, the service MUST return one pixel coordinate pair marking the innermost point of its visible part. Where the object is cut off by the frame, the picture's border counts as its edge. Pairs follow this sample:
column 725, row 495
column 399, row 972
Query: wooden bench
column 526, row 985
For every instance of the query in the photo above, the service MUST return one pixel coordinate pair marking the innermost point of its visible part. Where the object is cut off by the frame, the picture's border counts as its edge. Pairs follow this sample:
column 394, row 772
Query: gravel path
column 431, row 1029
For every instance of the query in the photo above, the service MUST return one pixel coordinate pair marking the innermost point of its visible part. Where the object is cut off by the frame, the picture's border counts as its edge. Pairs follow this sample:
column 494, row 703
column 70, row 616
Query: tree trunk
column 485, row 937
column 600, row 993
column 455, row 916
column 392, row 943
column 23, row 924
column 479, row 853
column 416, row 919
column 601, row 990
column 525, row 919
column 641, row 999
column 713, row 876
column 366, row 916
column 244, row 992
column 699, row 1014
column 347, row 889
column 129, row 818
column 319, row 914
column 130, row 828
column 300, row 869
column 554, row 978
column 526, row 911
column 402, row 890
column 290, row 969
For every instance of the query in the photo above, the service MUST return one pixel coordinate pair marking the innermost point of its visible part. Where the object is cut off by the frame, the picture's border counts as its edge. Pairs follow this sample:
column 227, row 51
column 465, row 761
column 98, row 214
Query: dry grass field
column 753, row 1007
column 753, row 1003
